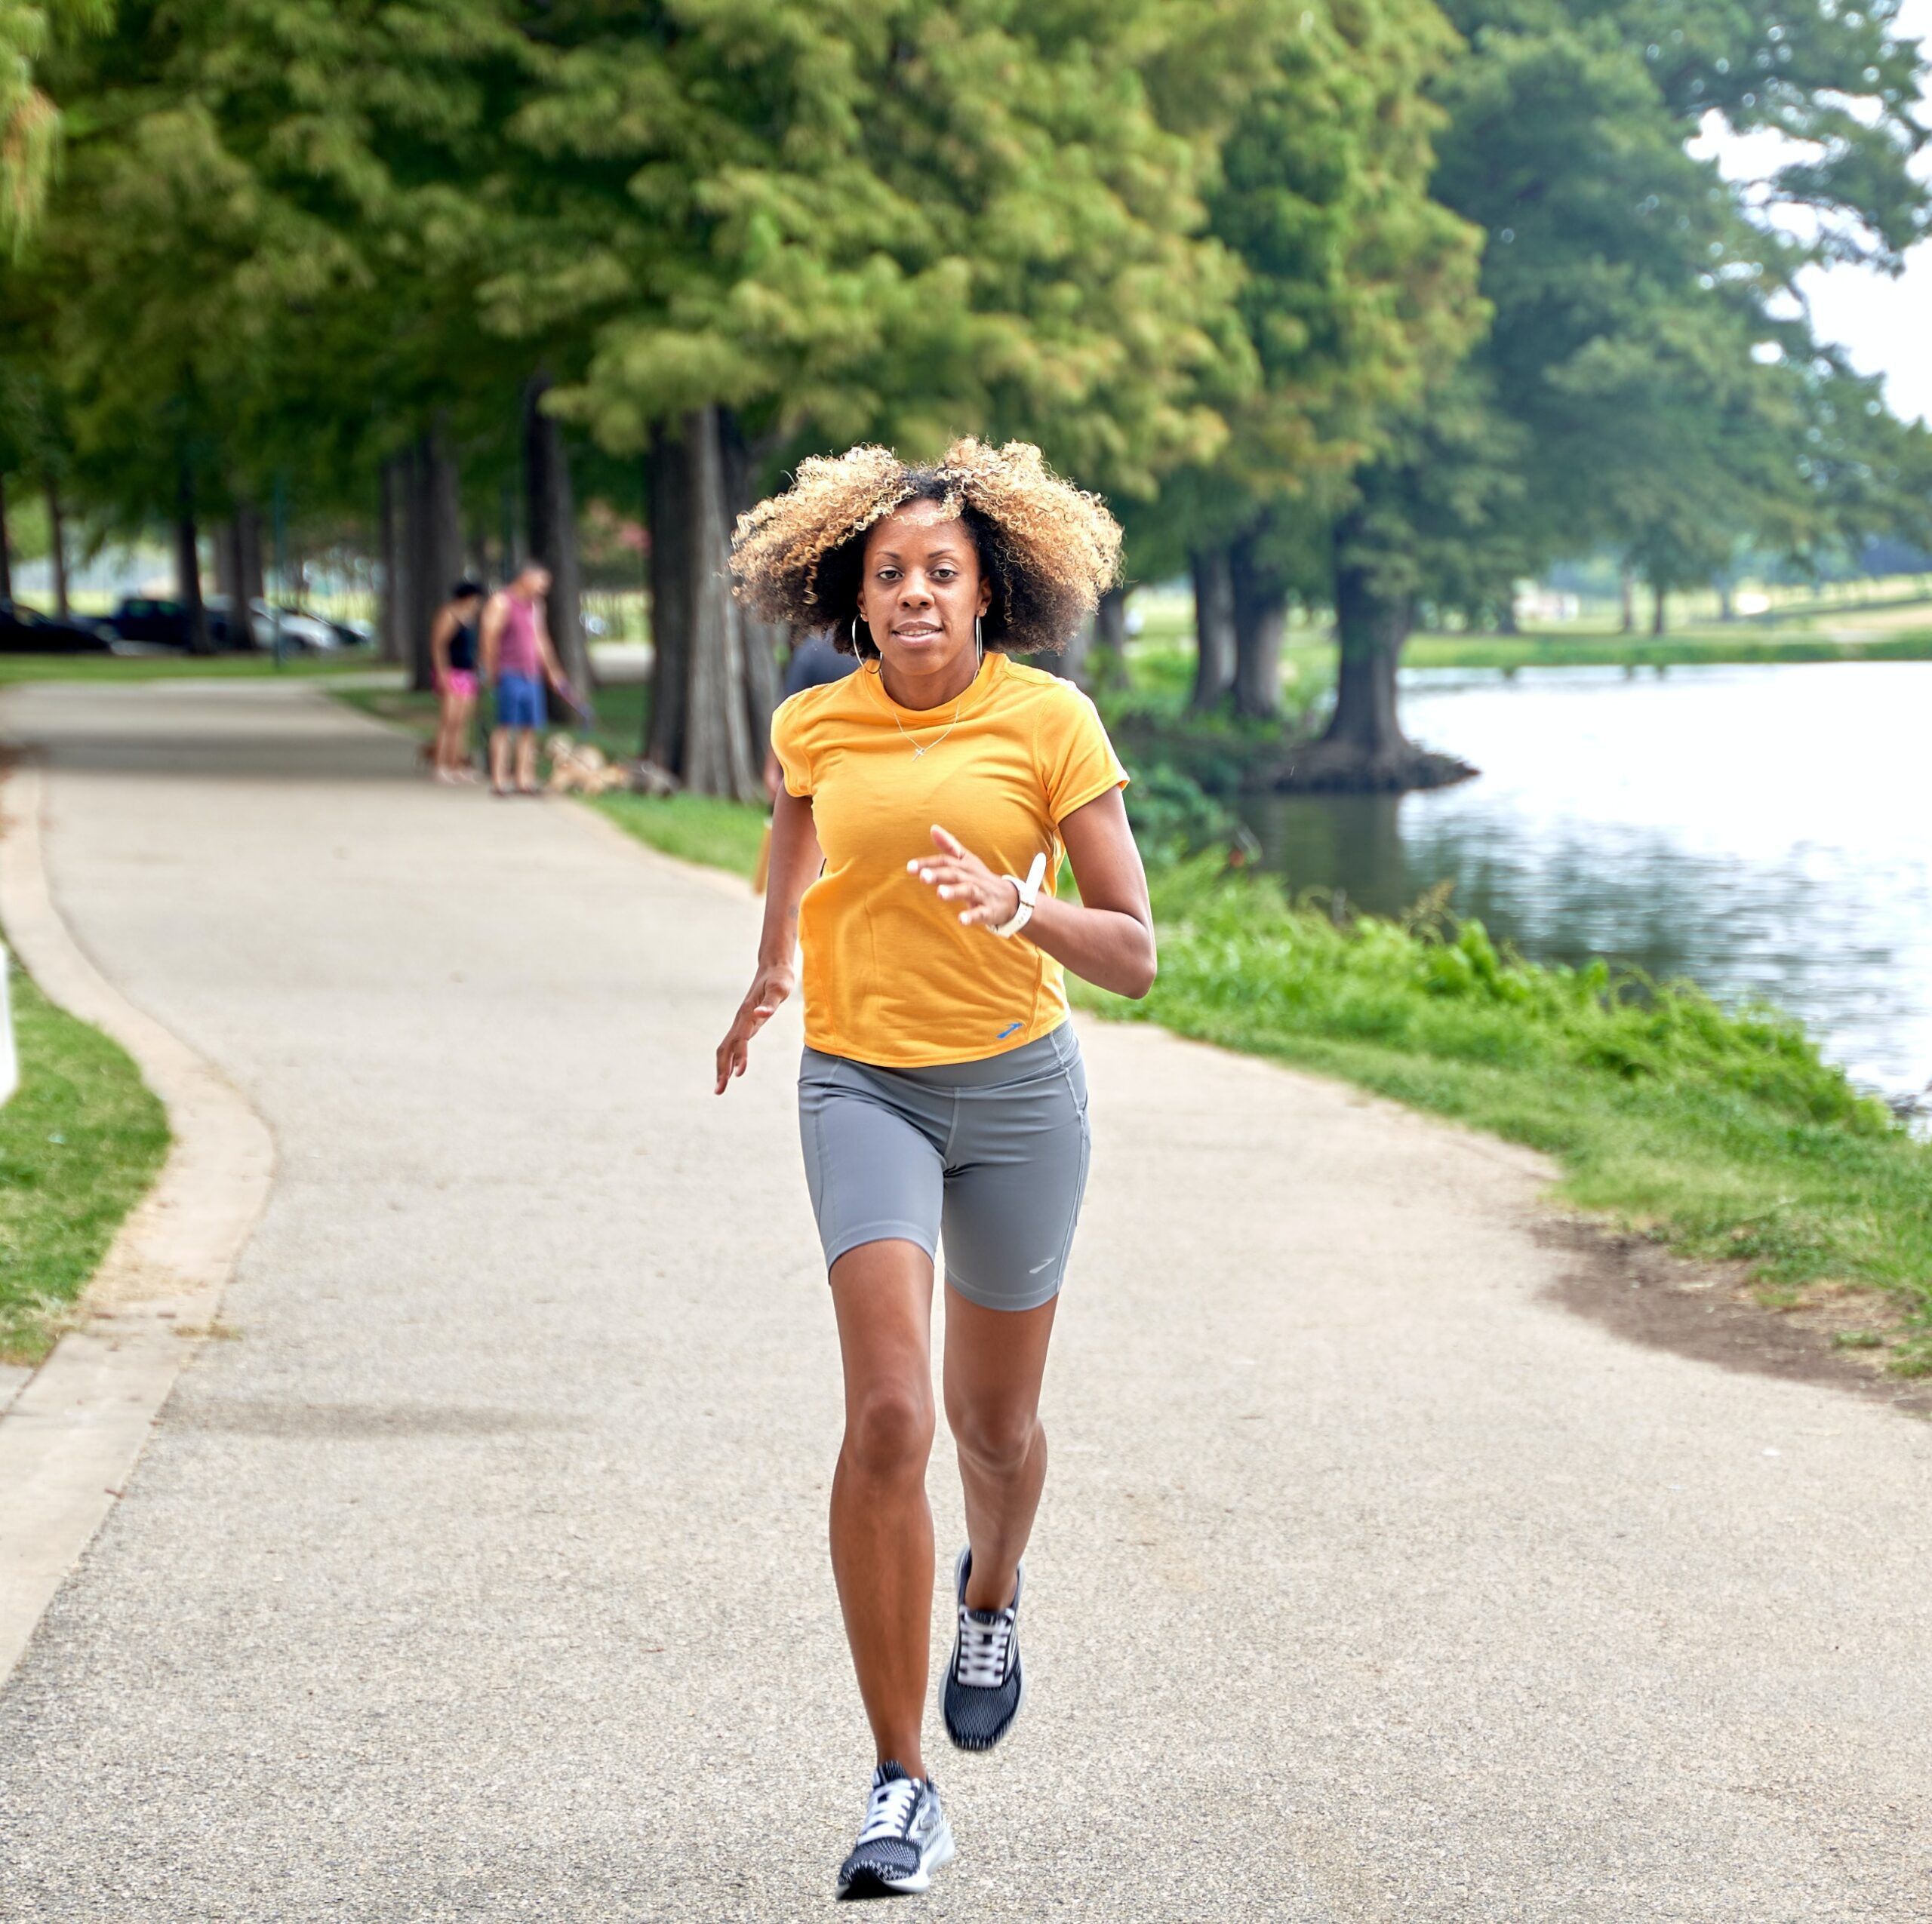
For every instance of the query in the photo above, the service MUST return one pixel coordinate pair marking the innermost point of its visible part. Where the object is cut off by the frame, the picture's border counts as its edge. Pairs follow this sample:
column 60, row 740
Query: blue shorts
column 993, row 1154
column 519, row 702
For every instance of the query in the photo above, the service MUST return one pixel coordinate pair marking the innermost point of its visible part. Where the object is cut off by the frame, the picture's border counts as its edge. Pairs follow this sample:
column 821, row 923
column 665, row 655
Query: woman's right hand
column 769, row 987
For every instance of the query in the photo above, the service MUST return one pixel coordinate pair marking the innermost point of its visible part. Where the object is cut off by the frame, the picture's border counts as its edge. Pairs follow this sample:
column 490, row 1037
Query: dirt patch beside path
column 1637, row 1290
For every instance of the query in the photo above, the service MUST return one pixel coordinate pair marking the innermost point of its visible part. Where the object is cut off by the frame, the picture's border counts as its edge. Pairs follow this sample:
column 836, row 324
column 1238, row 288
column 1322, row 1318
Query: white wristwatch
column 1029, row 893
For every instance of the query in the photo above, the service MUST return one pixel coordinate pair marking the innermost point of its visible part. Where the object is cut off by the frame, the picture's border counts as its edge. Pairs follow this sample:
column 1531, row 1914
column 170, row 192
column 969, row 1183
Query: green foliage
column 80, row 1142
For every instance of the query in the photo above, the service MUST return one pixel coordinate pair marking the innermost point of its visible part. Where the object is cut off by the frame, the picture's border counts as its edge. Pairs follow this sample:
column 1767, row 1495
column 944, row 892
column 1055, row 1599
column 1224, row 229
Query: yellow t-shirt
column 891, row 975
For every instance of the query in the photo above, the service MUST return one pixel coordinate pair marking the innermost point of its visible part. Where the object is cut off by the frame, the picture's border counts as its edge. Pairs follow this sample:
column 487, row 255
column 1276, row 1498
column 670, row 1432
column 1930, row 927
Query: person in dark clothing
column 816, row 659
column 453, row 651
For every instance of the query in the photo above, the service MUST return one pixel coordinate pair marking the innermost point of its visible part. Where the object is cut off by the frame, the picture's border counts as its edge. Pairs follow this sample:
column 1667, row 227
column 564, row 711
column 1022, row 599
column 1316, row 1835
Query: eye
column 944, row 572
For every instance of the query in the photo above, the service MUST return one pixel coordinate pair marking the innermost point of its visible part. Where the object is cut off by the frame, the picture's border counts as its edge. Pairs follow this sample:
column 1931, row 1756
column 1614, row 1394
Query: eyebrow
column 932, row 554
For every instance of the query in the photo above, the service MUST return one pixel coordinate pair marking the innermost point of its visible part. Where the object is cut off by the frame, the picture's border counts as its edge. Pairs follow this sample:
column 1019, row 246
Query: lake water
column 1764, row 831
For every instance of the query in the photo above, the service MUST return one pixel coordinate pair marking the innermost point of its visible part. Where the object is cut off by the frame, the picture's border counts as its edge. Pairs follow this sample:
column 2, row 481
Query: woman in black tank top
column 453, row 650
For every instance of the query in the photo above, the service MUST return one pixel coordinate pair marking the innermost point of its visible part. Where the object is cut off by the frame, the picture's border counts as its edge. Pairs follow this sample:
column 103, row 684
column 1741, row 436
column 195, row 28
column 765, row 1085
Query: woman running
column 453, row 652
column 926, row 801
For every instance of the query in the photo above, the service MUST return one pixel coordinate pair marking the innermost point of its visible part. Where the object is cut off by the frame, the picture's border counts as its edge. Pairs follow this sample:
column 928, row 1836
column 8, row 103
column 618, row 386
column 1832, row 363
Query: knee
column 889, row 1433
column 996, row 1442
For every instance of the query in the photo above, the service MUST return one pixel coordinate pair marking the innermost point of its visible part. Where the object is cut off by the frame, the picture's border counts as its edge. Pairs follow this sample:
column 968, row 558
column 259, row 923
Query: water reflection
column 1762, row 830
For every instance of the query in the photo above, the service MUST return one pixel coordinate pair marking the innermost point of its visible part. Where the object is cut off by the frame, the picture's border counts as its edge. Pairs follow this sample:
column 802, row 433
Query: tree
column 1629, row 291
column 956, row 216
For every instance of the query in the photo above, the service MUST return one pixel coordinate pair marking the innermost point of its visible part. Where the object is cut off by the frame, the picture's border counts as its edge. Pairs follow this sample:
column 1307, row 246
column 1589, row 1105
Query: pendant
column 917, row 753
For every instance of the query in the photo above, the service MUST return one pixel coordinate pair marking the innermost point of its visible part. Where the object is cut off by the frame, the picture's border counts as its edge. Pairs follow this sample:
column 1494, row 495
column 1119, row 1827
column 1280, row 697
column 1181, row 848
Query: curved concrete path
column 481, row 1576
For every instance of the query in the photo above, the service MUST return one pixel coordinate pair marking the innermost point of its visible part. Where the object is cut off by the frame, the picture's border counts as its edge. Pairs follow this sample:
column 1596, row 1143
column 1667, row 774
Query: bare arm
column 1106, row 937
column 491, row 636
column 796, row 861
column 439, row 642
column 547, row 654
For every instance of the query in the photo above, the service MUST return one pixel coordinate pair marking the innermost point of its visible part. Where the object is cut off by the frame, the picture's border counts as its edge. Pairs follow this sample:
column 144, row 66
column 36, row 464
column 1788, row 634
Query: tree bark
column 57, row 533
column 1260, row 620
column 433, row 537
column 1657, row 623
column 1214, row 628
column 1371, row 627
column 1726, row 609
column 717, row 744
column 6, row 549
column 391, row 618
column 668, row 478
column 1626, row 588
column 551, row 508
column 187, row 565
column 250, row 577
column 759, row 641
column 1106, row 664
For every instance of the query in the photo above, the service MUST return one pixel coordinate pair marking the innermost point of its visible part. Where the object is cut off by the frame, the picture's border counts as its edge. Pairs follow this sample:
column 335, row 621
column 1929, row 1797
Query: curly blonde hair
column 1048, row 550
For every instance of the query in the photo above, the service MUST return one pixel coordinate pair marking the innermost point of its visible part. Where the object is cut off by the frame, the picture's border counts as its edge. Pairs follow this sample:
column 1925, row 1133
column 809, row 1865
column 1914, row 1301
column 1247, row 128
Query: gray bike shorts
column 992, row 1155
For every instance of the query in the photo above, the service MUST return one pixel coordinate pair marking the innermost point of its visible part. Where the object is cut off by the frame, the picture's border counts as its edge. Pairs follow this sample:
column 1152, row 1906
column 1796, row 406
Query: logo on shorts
column 1007, row 1031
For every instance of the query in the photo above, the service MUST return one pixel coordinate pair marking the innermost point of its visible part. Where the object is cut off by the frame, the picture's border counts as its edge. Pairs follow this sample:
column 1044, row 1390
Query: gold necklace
column 917, row 749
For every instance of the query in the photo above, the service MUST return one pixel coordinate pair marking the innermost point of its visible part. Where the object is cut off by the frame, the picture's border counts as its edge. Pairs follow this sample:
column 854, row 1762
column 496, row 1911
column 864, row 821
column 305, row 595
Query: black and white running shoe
column 904, row 1839
column 985, row 1685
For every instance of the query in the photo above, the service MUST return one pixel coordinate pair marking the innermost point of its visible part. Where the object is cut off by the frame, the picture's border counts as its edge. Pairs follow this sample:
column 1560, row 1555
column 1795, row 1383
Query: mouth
column 918, row 630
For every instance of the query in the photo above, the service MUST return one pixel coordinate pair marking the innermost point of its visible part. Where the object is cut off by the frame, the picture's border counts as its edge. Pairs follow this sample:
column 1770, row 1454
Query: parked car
column 157, row 622
column 27, row 631
column 307, row 633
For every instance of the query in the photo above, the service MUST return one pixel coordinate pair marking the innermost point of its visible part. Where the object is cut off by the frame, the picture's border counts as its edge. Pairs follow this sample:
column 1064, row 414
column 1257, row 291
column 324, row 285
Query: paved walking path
column 482, row 1575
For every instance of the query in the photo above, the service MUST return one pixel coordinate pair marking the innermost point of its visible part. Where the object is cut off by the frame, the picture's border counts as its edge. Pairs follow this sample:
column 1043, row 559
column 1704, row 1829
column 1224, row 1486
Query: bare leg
column 499, row 758
column 994, row 1360
column 460, row 709
column 882, row 1528
column 526, row 759
column 446, row 736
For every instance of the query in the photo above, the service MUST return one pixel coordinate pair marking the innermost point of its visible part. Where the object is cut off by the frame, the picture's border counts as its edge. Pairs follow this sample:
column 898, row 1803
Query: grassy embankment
column 80, row 1142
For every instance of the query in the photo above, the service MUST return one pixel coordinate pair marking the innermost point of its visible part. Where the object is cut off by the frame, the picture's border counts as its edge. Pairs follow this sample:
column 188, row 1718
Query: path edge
column 70, row 1438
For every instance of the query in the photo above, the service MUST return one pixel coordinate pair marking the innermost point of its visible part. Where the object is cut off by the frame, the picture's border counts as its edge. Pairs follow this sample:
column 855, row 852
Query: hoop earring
column 979, row 640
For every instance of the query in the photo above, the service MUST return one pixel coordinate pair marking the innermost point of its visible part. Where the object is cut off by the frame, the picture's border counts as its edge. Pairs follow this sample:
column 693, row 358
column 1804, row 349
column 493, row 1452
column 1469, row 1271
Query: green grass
column 721, row 834
column 1707, row 646
column 80, row 1142
column 176, row 667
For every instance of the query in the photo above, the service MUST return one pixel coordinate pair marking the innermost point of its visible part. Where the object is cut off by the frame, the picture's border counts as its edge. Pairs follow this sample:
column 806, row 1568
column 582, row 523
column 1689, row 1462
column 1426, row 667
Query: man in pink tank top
column 517, row 660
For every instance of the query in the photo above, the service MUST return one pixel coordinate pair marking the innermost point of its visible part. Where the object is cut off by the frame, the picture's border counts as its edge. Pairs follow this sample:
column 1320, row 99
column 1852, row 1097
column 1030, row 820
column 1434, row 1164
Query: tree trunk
column 223, row 545
column 702, row 692
column 1371, row 626
column 1260, row 620
column 1626, row 588
column 391, row 618
column 668, row 479
column 717, row 744
column 6, row 549
column 1214, row 628
column 552, row 509
column 1106, row 664
column 187, row 565
column 251, row 582
column 765, row 681
column 1071, row 660
column 1507, row 623
column 1656, row 610
column 56, row 535
column 433, row 538
column 1727, row 611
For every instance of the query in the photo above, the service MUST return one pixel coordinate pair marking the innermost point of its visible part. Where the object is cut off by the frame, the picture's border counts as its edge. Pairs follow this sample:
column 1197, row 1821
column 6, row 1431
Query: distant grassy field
column 80, row 1142
column 175, row 668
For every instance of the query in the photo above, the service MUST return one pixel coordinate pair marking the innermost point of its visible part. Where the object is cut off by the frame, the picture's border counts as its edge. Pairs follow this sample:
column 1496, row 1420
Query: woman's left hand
column 985, row 899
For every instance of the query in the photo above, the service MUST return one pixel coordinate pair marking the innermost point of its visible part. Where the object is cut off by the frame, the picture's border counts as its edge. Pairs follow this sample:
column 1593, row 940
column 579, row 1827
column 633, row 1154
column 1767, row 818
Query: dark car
column 26, row 631
column 161, row 623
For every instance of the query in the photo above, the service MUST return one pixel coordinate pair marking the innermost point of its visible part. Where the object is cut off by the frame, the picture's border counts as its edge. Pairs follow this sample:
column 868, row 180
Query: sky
column 1885, row 324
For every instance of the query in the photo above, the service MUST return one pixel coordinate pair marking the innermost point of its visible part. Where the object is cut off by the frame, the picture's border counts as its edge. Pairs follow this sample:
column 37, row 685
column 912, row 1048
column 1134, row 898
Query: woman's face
column 921, row 588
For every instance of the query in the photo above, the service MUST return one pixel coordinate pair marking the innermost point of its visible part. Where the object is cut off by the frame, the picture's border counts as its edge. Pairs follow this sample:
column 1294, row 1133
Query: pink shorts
column 460, row 681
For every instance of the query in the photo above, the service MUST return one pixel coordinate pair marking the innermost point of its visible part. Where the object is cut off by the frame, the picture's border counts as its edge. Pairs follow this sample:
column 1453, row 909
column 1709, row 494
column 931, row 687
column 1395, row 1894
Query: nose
column 913, row 592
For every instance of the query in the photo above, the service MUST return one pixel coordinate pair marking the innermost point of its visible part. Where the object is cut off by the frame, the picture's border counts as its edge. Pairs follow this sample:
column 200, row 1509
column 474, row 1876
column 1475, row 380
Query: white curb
column 69, row 1439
